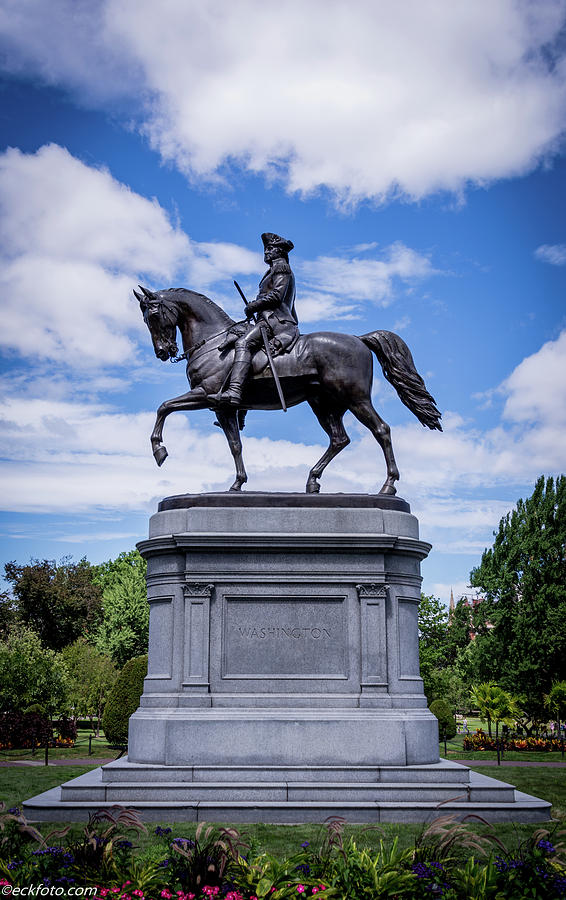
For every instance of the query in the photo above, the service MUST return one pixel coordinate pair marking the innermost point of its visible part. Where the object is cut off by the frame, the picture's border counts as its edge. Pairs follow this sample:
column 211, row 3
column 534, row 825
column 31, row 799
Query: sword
column 263, row 331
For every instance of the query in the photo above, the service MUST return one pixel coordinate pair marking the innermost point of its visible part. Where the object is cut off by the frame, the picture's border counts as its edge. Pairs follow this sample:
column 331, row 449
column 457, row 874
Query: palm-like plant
column 496, row 705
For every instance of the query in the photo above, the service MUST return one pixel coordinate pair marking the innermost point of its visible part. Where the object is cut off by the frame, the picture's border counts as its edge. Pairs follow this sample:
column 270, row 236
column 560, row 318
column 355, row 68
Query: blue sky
column 413, row 152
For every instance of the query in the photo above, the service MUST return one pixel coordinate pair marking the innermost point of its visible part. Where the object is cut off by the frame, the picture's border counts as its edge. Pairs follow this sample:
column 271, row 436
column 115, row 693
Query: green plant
column 446, row 840
column 123, row 700
column 192, row 864
column 445, row 716
column 498, row 705
column 265, row 877
column 101, row 854
column 476, row 880
column 357, row 873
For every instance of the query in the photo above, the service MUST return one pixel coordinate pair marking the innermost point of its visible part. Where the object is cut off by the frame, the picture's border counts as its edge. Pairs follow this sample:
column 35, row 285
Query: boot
column 233, row 394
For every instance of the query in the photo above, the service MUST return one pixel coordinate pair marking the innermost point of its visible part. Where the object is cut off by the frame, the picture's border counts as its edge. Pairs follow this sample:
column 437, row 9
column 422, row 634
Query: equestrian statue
column 263, row 362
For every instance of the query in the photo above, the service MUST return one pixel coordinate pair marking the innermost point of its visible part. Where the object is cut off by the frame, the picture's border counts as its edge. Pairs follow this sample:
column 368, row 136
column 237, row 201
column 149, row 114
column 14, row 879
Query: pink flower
column 300, row 888
column 137, row 893
column 166, row 894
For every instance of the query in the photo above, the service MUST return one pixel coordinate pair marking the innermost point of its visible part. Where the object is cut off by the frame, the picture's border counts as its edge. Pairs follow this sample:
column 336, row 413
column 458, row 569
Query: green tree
column 433, row 631
column 124, row 631
column 31, row 673
column 446, row 721
column 123, row 700
column 91, row 677
column 59, row 602
column 556, row 701
column 8, row 615
column 521, row 639
column 448, row 684
column 459, row 627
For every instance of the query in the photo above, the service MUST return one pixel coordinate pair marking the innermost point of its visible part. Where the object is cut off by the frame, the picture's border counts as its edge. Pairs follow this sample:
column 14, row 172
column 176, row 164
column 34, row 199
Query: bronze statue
column 231, row 369
column 276, row 327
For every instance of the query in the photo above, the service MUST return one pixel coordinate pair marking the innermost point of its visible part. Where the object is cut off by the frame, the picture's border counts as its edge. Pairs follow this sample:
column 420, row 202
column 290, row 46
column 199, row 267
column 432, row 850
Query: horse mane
column 202, row 297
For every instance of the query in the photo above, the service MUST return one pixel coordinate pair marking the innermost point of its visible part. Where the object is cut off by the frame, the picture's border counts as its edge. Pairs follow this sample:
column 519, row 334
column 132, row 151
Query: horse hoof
column 388, row 489
column 313, row 487
column 160, row 455
column 236, row 486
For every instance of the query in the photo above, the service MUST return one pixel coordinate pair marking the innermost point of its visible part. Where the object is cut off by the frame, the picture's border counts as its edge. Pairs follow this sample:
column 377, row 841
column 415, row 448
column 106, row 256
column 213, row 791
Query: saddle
column 289, row 362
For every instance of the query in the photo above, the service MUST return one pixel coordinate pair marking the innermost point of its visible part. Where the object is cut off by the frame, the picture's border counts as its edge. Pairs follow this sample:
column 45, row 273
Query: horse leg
column 228, row 421
column 195, row 399
column 366, row 414
column 331, row 421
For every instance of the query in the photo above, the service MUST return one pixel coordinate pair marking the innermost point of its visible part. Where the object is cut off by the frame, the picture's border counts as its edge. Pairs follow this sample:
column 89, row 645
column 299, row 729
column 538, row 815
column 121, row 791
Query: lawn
column 99, row 747
column 17, row 784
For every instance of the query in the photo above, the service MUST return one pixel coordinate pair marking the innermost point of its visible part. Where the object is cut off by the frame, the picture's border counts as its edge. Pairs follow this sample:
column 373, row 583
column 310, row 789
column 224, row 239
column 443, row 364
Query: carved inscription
column 284, row 637
column 297, row 634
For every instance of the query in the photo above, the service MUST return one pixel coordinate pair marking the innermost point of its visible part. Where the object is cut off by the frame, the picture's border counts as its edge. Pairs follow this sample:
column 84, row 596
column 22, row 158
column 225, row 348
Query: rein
column 199, row 344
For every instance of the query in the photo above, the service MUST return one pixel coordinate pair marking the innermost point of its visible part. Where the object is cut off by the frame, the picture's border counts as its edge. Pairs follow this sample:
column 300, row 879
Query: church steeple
column 451, row 605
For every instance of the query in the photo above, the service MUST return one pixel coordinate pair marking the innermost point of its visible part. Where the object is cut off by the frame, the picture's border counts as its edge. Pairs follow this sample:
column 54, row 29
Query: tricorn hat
column 273, row 240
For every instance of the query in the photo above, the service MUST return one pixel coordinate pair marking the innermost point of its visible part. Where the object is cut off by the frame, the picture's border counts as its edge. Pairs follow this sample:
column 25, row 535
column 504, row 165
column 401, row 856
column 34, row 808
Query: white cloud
column 368, row 99
column 367, row 279
column 72, row 457
column 555, row 254
column 73, row 242
column 536, row 389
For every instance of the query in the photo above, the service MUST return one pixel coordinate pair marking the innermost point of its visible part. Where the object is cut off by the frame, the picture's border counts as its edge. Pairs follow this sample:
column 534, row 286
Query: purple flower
column 546, row 845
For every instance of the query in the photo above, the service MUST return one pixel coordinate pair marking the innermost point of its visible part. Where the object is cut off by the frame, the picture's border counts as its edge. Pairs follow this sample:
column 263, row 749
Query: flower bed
column 481, row 741
column 447, row 861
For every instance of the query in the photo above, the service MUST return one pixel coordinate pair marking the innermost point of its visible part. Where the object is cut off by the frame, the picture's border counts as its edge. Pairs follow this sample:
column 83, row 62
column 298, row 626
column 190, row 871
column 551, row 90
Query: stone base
column 287, row 794
column 283, row 677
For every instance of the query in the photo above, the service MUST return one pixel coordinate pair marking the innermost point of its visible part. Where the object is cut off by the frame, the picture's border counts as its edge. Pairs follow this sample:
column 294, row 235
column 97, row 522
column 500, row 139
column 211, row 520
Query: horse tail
column 399, row 369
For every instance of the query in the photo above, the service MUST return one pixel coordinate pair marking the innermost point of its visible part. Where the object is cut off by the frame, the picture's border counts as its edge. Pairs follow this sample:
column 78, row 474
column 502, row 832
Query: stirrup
column 226, row 398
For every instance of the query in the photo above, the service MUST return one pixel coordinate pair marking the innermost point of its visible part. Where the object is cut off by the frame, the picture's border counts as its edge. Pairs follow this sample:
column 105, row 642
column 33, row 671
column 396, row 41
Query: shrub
column 445, row 716
column 66, row 730
column 123, row 700
column 24, row 730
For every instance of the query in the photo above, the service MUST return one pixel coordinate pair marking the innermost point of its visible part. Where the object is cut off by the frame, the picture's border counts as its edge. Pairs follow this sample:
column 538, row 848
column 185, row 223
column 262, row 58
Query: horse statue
column 331, row 371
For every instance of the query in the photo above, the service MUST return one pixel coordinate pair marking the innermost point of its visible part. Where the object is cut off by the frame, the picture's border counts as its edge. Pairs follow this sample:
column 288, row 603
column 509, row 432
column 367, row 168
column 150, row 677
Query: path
column 89, row 761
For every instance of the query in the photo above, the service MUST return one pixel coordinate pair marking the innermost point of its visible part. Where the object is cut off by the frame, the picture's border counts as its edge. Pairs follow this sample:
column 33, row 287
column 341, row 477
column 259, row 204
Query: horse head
column 160, row 316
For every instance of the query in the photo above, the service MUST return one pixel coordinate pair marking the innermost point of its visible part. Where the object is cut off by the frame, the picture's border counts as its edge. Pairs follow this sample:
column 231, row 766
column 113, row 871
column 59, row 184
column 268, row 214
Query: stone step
column 50, row 807
column 123, row 770
column 284, row 792
column 92, row 785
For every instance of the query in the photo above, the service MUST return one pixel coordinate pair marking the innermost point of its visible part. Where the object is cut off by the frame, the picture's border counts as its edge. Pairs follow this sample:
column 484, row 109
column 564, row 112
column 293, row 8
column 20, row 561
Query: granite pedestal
column 283, row 680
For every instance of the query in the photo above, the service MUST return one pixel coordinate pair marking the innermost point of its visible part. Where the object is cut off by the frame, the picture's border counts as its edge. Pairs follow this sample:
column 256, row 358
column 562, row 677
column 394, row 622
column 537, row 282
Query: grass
column 100, row 750
column 20, row 783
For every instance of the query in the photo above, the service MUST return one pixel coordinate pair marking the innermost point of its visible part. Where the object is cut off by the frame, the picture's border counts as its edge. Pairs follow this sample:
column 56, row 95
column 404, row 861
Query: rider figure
column 275, row 306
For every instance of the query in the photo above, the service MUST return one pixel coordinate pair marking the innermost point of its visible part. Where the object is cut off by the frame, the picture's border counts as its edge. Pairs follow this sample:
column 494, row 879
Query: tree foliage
column 442, row 638
column 521, row 639
column 124, row 631
column 123, row 700
column 91, row 677
column 30, row 674
column 496, row 705
column 446, row 721
column 556, row 701
column 433, row 630
column 59, row 602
